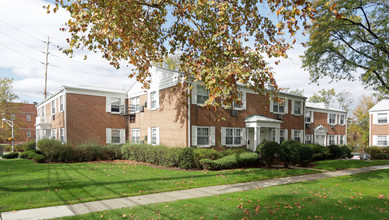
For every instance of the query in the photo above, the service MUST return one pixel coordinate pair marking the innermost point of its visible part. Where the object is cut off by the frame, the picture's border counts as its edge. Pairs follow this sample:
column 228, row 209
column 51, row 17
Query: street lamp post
column 11, row 124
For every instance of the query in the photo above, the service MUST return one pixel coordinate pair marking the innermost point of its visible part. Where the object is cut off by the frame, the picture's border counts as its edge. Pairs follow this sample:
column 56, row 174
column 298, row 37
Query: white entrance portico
column 320, row 133
column 261, row 128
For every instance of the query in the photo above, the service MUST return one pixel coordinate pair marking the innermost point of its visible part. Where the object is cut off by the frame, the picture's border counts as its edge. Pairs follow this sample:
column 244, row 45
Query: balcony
column 43, row 122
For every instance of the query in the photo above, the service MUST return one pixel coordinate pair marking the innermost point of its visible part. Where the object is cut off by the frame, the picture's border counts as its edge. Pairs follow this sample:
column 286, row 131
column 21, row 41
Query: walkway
column 88, row 207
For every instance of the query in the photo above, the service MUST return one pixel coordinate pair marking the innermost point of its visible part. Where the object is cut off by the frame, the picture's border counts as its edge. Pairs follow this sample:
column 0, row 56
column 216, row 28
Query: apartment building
column 378, row 124
column 324, row 125
column 165, row 114
column 23, row 117
column 81, row 114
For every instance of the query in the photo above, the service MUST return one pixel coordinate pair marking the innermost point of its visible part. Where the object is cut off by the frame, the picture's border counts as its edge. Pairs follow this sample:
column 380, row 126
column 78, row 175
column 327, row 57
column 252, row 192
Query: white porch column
column 277, row 133
column 257, row 137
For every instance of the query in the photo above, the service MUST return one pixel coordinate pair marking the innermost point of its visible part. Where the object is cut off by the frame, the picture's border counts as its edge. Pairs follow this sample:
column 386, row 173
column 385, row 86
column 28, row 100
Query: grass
column 361, row 196
column 24, row 184
column 347, row 164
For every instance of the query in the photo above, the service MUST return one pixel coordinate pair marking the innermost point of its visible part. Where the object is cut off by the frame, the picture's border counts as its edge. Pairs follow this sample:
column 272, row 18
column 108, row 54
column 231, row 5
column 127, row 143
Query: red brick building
column 379, row 124
column 23, row 116
column 163, row 115
column 325, row 125
column 82, row 114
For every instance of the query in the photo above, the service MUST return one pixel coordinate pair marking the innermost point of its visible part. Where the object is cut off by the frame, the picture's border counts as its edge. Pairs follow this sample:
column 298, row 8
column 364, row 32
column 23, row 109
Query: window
column 297, row 107
column 296, row 135
column 53, row 109
column 332, row 119
column 28, row 134
column 61, row 103
column 134, row 105
column 28, row 117
column 308, row 139
column 62, row 135
column 341, row 120
column 236, row 105
column 202, row 94
column 331, row 139
column 382, row 118
column 233, row 136
column 153, row 99
column 154, row 134
column 279, row 107
column 202, row 136
column 115, row 136
column 382, row 140
column 54, row 134
column 341, row 140
column 135, row 136
column 115, row 105
column 308, row 117
column 282, row 135
column 12, row 117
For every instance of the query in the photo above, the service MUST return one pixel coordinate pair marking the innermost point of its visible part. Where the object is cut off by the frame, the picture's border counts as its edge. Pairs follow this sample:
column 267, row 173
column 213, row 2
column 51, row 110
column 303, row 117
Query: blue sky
column 24, row 26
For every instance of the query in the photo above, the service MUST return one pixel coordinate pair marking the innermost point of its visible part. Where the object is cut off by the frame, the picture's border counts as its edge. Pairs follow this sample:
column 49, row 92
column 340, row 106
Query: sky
column 25, row 27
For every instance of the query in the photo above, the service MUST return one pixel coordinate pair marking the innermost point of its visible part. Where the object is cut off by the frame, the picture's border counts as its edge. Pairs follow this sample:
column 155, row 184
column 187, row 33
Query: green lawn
column 24, row 184
column 361, row 196
column 347, row 164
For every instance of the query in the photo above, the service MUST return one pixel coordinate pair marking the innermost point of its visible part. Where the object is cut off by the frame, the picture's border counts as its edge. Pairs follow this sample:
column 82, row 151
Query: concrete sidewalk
column 83, row 208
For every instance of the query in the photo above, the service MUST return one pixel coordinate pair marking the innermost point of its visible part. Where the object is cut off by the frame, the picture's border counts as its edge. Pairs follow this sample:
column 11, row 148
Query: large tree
column 350, row 39
column 7, row 107
column 221, row 43
column 340, row 100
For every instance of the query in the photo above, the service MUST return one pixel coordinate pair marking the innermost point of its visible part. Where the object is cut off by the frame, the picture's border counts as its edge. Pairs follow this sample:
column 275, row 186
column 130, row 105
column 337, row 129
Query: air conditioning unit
column 234, row 112
column 53, row 117
column 279, row 116
column 332, row 126
column 142, row 108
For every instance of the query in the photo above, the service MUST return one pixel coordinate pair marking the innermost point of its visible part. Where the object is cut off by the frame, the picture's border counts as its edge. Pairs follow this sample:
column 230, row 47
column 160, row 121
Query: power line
column 19, row 30
column 13, row 38
column 20, row 53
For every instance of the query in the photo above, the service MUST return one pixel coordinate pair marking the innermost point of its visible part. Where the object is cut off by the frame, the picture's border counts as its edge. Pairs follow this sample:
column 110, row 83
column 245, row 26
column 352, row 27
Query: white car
column 356, row 157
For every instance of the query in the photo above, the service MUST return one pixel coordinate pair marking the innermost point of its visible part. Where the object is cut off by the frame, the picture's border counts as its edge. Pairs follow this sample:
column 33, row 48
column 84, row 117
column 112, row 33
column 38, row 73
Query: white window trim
column 53, row 110
column 28, row 132
column 62, row 135
column 28, row 117
column 211, row 134
column 301, row 135
column 135, row 101
column 108, row 135
column 149, row 100
column 61, row 103
column 272, row 102
column 108, row 104
column 301, row 107
column 243, row 106
column 311, row 120
column 344, row 120
column 223, row 133
column 377, row 140
column 328, row 118
column 387, row 121
column 195, row 92
column 149, row 138
column 137, row 131
column 54, row 134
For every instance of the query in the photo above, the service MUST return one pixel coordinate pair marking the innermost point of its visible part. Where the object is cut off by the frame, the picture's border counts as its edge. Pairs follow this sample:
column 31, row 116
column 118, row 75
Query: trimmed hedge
column 29, row 146
column 378, row 153
column 288, row 152
column 11, row 155
column 335, row 152
column 319, row 152
column 306, row 155
column 237, row 160
column 346, row 151
column 38, row 158
column 212, row 154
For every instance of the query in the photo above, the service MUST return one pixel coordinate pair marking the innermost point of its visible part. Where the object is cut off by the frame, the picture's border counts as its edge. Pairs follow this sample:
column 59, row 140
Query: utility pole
column 46, row 64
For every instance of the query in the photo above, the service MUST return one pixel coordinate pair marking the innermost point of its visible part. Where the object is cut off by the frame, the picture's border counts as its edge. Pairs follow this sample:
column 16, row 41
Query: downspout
column 189, row 131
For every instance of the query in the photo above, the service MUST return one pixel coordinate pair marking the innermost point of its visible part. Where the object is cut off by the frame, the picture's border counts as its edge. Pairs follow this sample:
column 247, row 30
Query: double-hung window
column 202, row 136
column 282, row 135
column 236, row 105
column 153, row 98
column 154, row 134
column 28, row 134
column 279, row 107
column 308, row 139
column 54, row 134
column 28, row 117
column 53, row 107
column 233, row 136
column 297, row 107
column 331, row 139
column 202, row 94
column 115, row 104
column 382, row 140
column 382, row 118
column 115, row 136
column 61, row 103
column 342, row 119
column 134, row 105
column 332, row 119
column 296, row 135
column 62, row 134
column 308, row 116
column 341, row 139
column 135, row 136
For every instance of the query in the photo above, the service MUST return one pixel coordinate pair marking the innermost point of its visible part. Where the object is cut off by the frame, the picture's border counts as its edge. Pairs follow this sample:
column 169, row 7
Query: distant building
column 324, row 125
column 378, row 124
column 81, row 114
column 23, row 115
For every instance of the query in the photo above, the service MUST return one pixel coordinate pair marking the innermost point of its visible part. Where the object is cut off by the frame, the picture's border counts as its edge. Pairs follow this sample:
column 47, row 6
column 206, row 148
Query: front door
column 250, row 139
column 320, row 139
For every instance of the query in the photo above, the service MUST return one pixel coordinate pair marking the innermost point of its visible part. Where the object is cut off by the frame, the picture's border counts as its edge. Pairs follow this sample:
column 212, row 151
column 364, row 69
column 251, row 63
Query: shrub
column 335, row 152
column 381, row 156
column 157, row 154
column 29, row 146
column 236, row 160
column 288, row 152
column 306, row 155
column 54, row 150
column 346, row 152
column 11, row 155
column 319, row 152
column 267, row 152
column 201, row 153
column 39, row 158
column 186, row 159
column 378, row 153
column 24, row 155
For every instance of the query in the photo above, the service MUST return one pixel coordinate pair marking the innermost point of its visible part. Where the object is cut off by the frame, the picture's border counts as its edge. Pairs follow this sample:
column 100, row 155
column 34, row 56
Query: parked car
column 356, row 156
column 360, row 156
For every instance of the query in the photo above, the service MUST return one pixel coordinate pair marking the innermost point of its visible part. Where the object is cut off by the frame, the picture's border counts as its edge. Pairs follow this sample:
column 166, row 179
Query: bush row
column 378, row 153
column 329, row 153
column 55, row 151
column 236, row 160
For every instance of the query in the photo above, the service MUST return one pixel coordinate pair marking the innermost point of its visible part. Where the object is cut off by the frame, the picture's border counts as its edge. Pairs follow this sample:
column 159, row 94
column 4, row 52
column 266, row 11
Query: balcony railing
column 43, row 120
